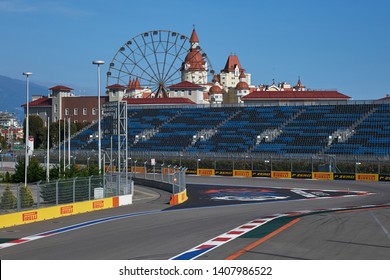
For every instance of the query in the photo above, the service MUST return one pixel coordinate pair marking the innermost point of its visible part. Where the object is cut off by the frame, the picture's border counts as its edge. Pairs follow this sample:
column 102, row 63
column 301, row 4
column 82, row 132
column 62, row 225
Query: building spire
column 194, row 37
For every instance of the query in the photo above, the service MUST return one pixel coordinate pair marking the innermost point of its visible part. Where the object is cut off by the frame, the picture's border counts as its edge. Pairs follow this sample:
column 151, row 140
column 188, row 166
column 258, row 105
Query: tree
column 35, row 172
column 7, row 178
column 35, row 129
column 3, row 143
column 8, row 199
column 18, row 176
column 26, row 198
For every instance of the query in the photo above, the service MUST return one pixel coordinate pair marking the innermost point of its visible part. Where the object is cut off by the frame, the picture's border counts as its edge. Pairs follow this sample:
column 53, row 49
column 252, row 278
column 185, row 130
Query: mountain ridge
column 13, row 94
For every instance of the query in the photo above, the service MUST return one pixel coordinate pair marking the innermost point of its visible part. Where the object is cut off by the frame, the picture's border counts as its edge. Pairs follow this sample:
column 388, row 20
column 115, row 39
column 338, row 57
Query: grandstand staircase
column 342, row 135
column 145, row 135
column 269, row 135
column 206, row 134
column 149, row 133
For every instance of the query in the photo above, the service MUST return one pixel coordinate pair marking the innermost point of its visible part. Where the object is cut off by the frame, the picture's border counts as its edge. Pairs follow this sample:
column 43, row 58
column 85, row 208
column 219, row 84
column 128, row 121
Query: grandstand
column 349, row 129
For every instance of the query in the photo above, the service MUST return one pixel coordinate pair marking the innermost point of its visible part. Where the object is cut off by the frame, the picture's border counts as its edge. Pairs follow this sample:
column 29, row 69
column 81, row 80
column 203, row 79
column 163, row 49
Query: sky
column 329, row 44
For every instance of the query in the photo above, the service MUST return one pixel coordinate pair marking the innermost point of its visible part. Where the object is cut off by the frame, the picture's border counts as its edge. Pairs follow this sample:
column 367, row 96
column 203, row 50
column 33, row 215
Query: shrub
column 26, row 198
column 8, row 199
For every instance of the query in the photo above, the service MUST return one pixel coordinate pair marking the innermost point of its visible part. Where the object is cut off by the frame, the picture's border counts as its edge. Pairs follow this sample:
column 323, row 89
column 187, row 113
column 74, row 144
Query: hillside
column 13, row 94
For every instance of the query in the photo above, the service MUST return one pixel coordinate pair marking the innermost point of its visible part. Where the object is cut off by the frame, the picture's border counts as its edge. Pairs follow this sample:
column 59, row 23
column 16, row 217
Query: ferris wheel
column 155, row 58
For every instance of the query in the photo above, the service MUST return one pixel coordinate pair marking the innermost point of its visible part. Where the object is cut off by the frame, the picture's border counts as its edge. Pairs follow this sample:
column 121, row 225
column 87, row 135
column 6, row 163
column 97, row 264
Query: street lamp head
column 27, row 74
column 98, row 62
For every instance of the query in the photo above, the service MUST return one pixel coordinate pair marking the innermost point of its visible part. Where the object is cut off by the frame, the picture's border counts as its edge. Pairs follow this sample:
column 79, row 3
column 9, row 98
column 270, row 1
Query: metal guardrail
column 172, row 176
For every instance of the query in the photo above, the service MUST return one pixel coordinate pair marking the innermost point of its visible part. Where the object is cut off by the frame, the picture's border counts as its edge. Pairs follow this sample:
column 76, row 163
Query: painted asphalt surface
column 205, row 195
column 143, row 231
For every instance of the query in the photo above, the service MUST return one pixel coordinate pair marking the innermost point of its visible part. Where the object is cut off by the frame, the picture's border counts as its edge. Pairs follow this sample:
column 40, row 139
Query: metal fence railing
column 17, row 197
column 43, row 194
column 172, row 175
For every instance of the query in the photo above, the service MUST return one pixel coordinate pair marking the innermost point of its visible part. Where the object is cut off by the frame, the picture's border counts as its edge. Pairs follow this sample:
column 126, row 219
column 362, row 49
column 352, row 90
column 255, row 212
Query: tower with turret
column 194, row 68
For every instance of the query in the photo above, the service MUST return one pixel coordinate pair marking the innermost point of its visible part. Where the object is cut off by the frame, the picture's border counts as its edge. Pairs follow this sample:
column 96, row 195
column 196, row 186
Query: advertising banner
column 384, row 177
column 138, row 169
column 242, row 173
column 191, row 171
column 367, row 177
column 221, row 172
column 257, row 173
column 323, row 175
column 206, row 172
column 281, row 174
column 343, row 176
column 301, row 175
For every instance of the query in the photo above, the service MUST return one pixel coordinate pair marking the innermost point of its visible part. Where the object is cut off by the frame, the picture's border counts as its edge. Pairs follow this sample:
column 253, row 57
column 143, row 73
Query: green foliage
column 36, row 129
column 26, row 198
column 18, row 176
column 54, row 173
column 7, row 178
column 35, row 172
column 8, row 199
column 3, row 143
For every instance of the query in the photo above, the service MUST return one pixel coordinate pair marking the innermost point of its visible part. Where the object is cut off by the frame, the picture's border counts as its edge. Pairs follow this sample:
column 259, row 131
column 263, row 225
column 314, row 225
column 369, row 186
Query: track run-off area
column 224, row 218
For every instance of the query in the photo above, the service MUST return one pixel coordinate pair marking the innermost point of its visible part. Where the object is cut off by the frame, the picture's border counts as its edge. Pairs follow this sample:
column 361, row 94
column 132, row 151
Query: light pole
column 27, row 74
column 98, row 63
column 47, row 151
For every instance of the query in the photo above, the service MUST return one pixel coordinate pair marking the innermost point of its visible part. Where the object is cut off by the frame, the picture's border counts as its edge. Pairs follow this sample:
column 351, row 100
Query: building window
column 66, row 111
column 85, row 111
column 55, row 108
column 94, row 111
column 75, row 111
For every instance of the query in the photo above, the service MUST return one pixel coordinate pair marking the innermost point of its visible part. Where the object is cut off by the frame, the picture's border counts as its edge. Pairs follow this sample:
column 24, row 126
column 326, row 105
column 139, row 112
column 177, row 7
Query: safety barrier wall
column 291, row 174
column 42, row 214
column 173, row 182
column 178, row 198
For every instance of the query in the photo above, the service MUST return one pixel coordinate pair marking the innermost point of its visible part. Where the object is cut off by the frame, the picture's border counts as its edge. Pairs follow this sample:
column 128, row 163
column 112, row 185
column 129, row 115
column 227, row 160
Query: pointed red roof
column 194, row 37
column 231, row 64
column 299, row 85
column 215, row 79
column 134, row 85
column 137, row 84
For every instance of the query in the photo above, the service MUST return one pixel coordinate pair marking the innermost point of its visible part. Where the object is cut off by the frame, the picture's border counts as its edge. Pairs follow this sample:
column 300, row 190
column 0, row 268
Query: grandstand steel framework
column 115, row 125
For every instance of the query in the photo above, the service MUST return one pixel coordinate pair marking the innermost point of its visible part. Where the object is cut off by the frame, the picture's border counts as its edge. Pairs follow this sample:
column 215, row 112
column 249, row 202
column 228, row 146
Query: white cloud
column 16, row 6
column 43, row 7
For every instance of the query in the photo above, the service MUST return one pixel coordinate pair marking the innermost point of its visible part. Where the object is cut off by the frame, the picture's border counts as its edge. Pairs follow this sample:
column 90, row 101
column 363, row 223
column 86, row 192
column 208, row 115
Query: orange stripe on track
column 261, row 240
